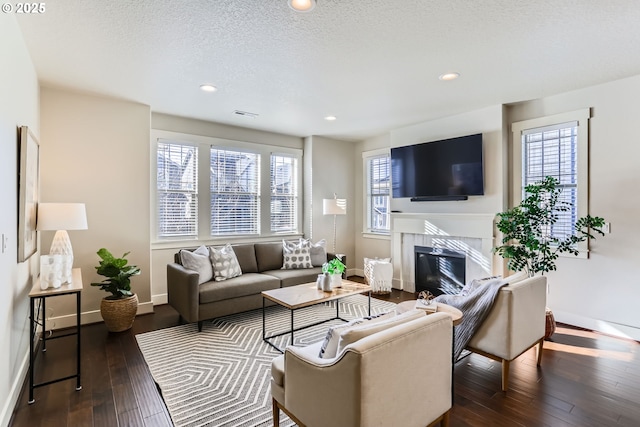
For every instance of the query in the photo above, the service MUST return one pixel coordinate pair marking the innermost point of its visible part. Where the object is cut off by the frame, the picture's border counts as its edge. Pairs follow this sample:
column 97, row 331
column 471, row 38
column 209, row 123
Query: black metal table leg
column 291, row 326
column 78, row 304
column 43, row 302
column 32, row 334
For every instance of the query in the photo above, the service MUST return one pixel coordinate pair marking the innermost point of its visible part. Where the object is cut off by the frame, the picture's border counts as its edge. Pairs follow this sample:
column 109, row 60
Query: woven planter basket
column 550, row 324
column 118, row 314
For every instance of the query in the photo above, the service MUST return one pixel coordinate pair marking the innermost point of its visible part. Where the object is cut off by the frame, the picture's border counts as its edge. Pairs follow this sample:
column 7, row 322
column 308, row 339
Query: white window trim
column 366, row 232
column 204, row 144
column 582, row 118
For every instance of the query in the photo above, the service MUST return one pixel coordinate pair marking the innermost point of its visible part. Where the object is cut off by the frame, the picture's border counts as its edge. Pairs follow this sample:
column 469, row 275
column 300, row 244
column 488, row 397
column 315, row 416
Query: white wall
column 19, row 106
column 332, row 172
column 602, row 292
column 95, row 150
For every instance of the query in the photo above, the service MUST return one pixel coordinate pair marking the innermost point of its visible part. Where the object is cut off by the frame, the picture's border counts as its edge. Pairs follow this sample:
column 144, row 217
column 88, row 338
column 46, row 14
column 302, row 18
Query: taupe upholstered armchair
column 400, row 376
column 515, row 323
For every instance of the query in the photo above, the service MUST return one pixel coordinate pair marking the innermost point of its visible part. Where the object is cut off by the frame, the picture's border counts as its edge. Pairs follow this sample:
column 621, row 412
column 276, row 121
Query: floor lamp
column 334, row 207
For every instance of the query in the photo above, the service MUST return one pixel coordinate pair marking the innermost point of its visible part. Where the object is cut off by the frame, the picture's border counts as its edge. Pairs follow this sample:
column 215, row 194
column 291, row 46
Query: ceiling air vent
column 245, row 114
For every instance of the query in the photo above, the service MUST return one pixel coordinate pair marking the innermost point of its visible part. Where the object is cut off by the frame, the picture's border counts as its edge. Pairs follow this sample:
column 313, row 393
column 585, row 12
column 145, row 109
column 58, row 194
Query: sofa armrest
column 182, row 291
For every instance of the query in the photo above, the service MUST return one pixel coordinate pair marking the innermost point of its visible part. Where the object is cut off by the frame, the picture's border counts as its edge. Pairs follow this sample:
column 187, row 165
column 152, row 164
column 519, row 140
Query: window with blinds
column 177, row 189
column 553, row 151
column 235, row 192
column 284, row 193
column 378, row 182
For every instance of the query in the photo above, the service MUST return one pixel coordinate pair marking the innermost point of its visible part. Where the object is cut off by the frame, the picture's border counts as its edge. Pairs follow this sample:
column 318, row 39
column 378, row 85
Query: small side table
column 75, row 287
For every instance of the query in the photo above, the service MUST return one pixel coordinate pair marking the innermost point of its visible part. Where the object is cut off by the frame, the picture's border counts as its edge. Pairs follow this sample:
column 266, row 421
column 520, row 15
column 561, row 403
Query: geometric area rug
column 221, row 376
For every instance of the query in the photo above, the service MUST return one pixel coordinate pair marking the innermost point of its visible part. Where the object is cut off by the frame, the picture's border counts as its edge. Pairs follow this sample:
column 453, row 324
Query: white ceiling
column 372, row 63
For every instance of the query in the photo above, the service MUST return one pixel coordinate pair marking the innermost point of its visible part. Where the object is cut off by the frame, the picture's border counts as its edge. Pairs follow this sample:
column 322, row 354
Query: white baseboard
column 159, row 299
column 14, row 391
column 86, row 317
column 602, row 326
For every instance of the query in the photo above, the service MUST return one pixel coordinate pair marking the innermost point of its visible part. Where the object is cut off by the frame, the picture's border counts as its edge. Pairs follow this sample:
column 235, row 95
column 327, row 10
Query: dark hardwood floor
column 586, row 379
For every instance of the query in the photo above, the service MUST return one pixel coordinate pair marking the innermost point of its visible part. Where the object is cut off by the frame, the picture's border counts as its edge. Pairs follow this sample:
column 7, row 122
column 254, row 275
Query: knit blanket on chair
column 475, row 307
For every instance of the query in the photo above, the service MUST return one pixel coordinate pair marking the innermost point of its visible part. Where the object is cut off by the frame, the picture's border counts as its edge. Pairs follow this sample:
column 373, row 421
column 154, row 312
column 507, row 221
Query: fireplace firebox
column 439, row 270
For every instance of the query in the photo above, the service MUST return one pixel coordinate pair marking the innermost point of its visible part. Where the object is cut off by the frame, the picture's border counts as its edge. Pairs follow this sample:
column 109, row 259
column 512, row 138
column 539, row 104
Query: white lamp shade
column 62, row 216
column 334, row 206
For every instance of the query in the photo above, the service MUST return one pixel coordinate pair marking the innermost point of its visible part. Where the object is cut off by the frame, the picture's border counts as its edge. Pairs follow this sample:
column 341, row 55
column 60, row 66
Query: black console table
column 75, row 287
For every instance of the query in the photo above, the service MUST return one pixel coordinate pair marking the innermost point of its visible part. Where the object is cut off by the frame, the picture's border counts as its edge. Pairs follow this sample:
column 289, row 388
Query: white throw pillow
column 318, row 251
column 329, row 347
column 199, row 261
column 295, row 255
column 352, row 335
column 225, row 263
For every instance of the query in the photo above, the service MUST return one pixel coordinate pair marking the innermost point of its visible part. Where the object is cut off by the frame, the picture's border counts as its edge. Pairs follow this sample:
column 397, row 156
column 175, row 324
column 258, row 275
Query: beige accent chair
column 515, row 323
column 400, row 376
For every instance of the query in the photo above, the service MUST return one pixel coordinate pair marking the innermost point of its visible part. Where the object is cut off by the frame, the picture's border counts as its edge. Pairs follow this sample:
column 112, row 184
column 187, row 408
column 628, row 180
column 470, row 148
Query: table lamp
column 62, row 217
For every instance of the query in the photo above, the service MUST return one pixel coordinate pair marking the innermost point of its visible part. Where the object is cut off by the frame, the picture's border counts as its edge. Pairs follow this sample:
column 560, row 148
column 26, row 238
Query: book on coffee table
column 428, row 306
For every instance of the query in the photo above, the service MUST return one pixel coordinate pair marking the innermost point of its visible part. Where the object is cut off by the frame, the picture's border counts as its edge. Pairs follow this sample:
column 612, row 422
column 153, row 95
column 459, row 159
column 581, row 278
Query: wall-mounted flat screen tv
column 439, row 170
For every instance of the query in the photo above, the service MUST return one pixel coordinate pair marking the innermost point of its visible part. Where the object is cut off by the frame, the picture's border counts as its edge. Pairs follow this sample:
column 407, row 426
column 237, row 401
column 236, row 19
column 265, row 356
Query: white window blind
column 553, row 151
column 378, row 179
column 177, row 189
column 284, row 193
column 235, row 192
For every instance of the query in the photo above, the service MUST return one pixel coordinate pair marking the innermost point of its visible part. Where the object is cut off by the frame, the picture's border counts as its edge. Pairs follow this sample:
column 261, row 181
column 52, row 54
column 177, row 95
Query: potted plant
column 334, row 268
column 527, row 242
column 118, row 309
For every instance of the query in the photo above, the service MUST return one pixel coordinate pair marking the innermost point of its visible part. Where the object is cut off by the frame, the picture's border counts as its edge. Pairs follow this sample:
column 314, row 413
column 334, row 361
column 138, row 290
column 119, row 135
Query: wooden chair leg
column 200, row 325
column 276, row 412
column 505, row 375
column 445, row 420
column 540, row 351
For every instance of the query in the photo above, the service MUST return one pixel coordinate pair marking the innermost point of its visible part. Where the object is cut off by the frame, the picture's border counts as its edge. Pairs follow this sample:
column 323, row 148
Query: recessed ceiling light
column 330, row 118
column 302, row 5
column 449, row 76
column 208, row 88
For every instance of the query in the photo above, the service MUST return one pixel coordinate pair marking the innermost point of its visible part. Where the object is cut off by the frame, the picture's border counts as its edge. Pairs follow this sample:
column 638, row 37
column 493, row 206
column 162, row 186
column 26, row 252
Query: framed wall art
column 28, row 191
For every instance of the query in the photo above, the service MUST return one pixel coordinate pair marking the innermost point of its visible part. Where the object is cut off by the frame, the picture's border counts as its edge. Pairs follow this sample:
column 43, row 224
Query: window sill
column 379, row 236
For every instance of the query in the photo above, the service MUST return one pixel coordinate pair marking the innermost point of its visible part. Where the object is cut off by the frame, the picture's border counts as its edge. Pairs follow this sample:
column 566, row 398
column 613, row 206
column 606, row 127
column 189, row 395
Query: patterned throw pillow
column 199, row 261
column 329, row 347
column 318, row 251
column 295, row 256
column 225, row 263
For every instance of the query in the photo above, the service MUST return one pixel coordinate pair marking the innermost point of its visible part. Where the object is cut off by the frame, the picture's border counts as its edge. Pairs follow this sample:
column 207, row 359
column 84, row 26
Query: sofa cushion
column 247, row 284
column 199, row 261
column 225, row 263
column 277, row 370
column 268, row 256
column 351, row 335
column 246, row 255
column 295, row 277
column 329, row 347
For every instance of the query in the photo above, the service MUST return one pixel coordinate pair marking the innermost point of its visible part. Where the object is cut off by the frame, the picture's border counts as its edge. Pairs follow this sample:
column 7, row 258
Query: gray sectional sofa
column 261, row 265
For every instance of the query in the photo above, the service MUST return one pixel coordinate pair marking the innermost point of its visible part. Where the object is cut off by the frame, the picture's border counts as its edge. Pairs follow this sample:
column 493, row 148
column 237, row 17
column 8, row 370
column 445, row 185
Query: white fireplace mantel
column 474, row 233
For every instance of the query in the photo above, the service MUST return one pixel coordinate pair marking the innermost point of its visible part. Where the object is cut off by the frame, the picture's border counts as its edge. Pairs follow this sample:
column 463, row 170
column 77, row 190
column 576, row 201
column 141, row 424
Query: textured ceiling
column 372, row 63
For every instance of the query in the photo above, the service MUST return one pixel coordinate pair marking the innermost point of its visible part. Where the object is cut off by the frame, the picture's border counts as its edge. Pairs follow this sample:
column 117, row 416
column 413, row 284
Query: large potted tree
column 528, row 243
column 118, row 309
